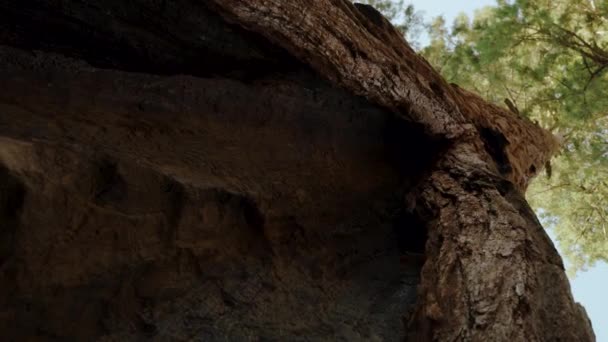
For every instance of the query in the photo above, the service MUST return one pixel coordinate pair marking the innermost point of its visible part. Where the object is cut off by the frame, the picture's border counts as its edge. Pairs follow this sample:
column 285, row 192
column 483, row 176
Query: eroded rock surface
column 212, row 188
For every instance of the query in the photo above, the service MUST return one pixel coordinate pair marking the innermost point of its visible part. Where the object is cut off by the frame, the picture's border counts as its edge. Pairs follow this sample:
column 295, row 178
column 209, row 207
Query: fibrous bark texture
column 263, row 170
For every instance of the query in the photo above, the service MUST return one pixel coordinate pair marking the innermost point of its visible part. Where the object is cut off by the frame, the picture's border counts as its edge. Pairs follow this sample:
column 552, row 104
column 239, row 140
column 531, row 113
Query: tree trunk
column 260, row 170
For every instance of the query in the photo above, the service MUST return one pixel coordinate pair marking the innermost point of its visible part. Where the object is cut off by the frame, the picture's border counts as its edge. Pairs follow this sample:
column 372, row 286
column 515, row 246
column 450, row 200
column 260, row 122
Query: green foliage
column 549, row 58
column 574, row 201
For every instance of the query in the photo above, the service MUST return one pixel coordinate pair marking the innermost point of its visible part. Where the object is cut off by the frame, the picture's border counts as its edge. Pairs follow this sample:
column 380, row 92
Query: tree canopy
column 548, row 61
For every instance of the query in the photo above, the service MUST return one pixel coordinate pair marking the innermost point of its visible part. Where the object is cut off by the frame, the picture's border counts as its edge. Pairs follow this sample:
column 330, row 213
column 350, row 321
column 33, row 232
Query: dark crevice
column 414, row 153
column 12, row 199
column 12, row 195
column 176, row 197
column 411, row 149
column 109, row 185
column 410, row 233
column 253, row 216
column 240, row 205
column 495, row 144
column 188, row 38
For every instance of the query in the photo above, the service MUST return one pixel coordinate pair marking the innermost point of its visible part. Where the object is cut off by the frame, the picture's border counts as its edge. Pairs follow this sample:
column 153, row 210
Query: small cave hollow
column 495, row 144
column 12, row 195
column 110, row 186
column 411, row 236
column 12, row 199
column 411, row 150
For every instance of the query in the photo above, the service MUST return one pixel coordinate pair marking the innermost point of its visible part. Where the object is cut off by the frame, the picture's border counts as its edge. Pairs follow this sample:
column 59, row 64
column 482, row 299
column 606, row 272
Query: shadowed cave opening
column 294, row 229
column 12, row 195
column 411, row 234
column 12, row 198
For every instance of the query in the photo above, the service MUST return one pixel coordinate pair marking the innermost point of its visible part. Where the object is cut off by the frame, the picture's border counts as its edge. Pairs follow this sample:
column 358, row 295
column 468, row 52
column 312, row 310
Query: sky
column 588, row 288
column 449, row 9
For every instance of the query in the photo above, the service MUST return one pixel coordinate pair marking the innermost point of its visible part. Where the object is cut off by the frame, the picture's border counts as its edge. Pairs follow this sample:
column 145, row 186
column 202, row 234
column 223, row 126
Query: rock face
column 169, row 171
column 249, row 199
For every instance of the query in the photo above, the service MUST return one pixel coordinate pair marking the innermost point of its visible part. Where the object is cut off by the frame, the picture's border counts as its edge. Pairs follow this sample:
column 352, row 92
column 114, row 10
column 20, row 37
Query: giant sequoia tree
column 260, row 170
column 549, row 61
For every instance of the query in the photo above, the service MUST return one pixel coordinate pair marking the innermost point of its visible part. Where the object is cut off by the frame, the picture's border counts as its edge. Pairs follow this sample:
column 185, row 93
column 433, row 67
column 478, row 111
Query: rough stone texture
column 221, row 207
column 207, row 170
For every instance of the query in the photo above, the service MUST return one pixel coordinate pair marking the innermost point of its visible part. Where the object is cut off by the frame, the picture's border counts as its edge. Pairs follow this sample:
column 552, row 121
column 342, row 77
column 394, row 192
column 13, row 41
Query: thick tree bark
column 491, row 274
column 491, row 271
column 243, row 200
